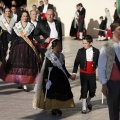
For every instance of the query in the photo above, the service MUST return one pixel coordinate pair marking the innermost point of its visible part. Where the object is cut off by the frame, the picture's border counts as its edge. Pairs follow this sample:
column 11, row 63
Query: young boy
column 87, row 58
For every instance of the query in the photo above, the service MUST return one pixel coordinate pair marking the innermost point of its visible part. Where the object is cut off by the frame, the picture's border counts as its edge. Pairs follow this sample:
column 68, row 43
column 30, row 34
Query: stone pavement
column 16, row 104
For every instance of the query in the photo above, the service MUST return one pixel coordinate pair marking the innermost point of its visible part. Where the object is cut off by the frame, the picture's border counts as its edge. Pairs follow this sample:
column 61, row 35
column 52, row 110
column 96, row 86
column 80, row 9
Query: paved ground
column 16, row 104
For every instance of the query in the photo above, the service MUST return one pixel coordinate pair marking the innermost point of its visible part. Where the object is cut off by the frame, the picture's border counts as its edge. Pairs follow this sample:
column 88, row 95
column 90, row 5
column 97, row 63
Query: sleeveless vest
column 110, row 52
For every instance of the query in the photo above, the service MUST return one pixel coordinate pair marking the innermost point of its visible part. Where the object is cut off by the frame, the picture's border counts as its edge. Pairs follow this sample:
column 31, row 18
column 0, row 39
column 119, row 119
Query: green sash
column 118, row 7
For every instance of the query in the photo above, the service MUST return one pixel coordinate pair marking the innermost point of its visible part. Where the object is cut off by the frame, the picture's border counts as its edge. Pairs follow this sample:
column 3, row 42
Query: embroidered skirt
column 22, row 66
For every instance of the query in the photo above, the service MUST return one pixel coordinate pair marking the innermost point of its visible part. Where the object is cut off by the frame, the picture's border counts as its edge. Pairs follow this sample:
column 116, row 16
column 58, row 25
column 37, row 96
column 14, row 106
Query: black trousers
column 88, row 84
column 101, row 33
column 113, row 99
column 81, row 25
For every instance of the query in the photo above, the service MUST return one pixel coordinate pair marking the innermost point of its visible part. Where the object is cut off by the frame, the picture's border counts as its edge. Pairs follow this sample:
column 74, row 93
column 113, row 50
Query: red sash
column 81, row 19
column 43, row 46
column 89, row 68
column 44, row 15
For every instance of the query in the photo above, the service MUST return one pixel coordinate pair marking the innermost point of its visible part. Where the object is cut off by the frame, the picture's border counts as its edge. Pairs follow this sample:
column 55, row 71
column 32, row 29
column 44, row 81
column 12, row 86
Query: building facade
column 66, row 9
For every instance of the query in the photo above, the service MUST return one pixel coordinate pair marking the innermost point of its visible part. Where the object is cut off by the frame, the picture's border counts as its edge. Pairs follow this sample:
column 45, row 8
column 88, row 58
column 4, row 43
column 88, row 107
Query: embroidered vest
column 110, row 58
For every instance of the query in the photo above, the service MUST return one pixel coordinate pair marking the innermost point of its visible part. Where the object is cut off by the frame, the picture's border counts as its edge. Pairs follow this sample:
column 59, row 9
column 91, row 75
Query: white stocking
column 25, row 87
column 81, row 35
column 83, row 104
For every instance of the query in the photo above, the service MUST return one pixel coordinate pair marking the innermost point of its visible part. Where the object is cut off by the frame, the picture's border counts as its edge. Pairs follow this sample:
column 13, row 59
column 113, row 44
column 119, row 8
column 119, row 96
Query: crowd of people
column 31, row 53
column 78, row 29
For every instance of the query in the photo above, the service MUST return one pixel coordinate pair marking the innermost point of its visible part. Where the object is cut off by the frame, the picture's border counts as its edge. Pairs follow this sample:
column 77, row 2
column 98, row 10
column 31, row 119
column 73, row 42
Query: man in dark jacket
column 82, row 11
column 45, row 7
column 50, row 29
column 41, row 3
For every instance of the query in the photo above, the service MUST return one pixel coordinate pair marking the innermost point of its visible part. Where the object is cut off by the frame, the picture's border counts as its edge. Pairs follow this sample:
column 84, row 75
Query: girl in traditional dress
column 22, row 62
column 6, row 24
column 54, row 91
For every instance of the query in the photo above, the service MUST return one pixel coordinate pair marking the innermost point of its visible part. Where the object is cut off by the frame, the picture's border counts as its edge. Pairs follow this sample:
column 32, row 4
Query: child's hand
column 73, row 77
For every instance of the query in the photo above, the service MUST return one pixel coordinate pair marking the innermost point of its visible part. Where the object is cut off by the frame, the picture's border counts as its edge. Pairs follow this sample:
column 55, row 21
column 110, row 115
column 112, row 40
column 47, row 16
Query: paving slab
column 16, row 104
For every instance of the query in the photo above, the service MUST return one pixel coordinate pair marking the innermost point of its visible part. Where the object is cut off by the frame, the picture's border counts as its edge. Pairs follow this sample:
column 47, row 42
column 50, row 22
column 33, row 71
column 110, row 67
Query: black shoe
column 59, row 112
column 105, row 40
column 76, row 38
column 20, row 86
column 89, row 107
column 54, row 112
column 84, row 111
column 26, row 90
column 80, row 39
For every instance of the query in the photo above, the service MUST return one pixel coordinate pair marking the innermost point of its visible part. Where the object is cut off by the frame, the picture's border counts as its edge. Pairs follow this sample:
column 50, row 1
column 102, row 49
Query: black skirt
column 60, row 88
column 4, row 39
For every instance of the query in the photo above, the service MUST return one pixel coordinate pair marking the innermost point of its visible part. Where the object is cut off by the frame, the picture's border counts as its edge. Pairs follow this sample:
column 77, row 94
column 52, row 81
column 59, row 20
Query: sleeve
column 76, row 63
column 81, row 12
column 0, row 31
column 41, row 8
column 104, row 23
column 31, row 35
column 66, row 71
column 12, row 36
column 38, row 8
column 48, row 64
column 98, row 53
column 37, row 33
column 39, row 18
column 115, row 15
column 102, row 62
column 60, row 33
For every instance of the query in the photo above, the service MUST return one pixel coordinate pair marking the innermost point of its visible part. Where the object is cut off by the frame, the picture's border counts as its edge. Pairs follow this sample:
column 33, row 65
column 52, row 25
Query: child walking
column 55, row 90
column 87, row 58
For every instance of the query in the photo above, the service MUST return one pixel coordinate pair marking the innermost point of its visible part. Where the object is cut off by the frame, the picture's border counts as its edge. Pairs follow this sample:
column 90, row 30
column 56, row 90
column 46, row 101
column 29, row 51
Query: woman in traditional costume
column 6, row 24
column 108, row 20
column 22, row 62
column 53, row 91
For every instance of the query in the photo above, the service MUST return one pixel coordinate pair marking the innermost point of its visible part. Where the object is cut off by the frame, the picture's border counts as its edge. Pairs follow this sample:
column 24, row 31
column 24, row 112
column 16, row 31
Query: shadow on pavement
column 10, row 92
column 46, row 115
column 7, row 86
